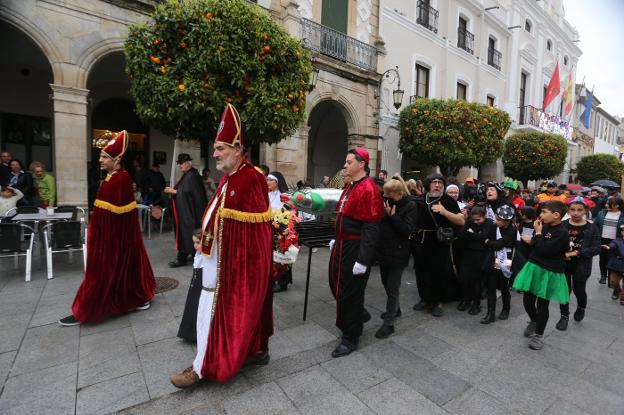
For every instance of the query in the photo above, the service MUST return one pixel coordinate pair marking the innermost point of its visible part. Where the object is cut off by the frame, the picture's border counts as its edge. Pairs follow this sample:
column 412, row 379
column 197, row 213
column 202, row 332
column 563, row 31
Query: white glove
column 331, row 244
column 359, row 269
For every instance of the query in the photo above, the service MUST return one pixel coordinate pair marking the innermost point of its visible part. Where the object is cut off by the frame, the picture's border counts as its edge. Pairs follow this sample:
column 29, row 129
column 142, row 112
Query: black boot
column 280, row 286
column 504, row 314
column 490, row 317
column 463, row 305
column 562, row 324
column 475, row 309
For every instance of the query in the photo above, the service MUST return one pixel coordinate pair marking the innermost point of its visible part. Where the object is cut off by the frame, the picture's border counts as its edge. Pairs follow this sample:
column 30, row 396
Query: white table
column 41, row 216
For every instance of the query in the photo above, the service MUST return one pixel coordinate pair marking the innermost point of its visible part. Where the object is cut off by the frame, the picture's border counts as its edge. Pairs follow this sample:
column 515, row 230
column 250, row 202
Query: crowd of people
column 467, row 240
column 20, row 187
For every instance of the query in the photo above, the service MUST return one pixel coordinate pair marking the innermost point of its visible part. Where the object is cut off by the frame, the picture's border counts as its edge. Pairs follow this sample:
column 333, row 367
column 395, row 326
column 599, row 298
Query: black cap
column 551, row 183
column 182, row 157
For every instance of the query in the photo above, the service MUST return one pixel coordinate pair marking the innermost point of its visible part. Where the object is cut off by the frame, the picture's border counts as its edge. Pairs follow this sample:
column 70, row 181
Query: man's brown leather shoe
column 185, row 379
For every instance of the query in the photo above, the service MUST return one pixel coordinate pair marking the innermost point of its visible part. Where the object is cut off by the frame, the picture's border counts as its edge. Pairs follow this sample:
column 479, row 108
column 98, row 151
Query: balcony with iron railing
column 427, row 16
column 465, row 40
column 494, row 58
column 330, row 42
column 531, row 118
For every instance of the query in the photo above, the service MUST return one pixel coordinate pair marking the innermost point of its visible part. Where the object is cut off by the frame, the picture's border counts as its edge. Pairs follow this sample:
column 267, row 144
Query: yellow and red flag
column 567, row 96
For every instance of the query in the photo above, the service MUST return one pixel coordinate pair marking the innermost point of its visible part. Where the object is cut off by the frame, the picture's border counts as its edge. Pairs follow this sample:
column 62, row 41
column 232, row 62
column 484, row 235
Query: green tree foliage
column 599, row 166
column 534, row 155
column 194, row 56
column 452, row 133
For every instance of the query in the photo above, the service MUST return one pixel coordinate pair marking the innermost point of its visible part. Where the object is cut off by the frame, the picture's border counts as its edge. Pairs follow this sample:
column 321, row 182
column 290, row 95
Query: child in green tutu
column 542, row 278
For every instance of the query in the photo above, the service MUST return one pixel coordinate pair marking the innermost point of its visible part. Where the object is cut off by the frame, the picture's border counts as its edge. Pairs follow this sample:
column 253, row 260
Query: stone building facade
column 63, row 76
column 497, row 52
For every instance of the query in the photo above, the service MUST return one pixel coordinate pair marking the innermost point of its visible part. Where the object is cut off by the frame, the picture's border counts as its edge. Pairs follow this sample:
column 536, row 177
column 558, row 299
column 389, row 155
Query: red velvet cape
column 118, row 277
column 242, row 319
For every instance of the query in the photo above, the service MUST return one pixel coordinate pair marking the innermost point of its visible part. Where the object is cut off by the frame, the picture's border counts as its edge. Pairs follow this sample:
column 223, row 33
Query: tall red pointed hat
column 230, row 131
column 116, row 147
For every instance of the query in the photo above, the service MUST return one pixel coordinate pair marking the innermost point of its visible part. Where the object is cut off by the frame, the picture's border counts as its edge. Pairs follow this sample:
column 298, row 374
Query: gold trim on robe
column 113, row 208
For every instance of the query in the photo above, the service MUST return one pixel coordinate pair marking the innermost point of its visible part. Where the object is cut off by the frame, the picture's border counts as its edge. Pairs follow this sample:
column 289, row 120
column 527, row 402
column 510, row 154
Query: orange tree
column 599, row 166
column 534, row 155
column 194, row 56
column 452, row 133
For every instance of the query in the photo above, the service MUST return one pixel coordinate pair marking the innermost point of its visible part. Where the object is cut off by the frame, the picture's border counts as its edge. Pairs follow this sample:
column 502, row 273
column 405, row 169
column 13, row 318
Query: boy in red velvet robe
column 235, row 314
column 118, row 276
column 360, row 211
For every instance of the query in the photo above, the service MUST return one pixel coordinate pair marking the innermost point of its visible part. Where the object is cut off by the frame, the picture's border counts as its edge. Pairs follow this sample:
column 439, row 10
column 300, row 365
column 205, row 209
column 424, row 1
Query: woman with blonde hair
column 393, row 248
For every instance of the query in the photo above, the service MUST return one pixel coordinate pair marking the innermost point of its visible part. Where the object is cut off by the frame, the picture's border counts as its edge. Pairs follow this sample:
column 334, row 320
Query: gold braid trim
column 113, row 208
column 239, row 216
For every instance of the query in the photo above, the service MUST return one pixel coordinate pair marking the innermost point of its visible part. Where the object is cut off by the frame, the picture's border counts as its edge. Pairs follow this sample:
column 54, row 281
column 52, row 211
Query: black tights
column 538, row 314
column 578, row 287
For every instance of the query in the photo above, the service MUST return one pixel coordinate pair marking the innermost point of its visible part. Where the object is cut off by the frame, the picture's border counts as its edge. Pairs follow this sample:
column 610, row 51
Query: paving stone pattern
column 447, row 365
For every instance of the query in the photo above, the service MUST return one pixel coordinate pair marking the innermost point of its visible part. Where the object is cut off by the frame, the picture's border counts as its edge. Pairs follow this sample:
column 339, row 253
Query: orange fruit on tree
column 155, row 59
column 182, row 45
column 209, row 16
column 264, row 37
column 181, row 87
column 266, row 48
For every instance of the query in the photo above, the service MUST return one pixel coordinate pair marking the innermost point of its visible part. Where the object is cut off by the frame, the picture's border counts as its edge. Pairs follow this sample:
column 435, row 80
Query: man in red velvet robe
column 118, row 276
column 360, row 211
column 235, row 314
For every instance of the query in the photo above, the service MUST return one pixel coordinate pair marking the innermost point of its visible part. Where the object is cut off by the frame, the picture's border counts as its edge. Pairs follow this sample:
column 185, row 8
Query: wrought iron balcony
column 427, row 16
column 330, row 42
column 536, row 119
column 495, row 58
column 465, row 40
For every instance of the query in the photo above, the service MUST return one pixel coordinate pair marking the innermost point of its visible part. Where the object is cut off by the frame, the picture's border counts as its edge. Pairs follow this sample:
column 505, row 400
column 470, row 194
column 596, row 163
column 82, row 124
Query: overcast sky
column 600, row 24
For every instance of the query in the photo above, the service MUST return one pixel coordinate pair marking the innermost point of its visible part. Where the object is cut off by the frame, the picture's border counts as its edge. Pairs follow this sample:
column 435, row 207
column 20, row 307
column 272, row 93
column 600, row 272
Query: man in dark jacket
column 188, row 201
column 154, row 184
column 5, row 170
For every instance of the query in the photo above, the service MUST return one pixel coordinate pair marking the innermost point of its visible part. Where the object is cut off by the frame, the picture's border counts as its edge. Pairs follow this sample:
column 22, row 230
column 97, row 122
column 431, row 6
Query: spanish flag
column 567, row 96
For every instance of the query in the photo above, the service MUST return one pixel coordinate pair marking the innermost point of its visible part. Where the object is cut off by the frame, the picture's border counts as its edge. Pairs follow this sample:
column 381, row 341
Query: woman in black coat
column 19, row 179
column 393, row 247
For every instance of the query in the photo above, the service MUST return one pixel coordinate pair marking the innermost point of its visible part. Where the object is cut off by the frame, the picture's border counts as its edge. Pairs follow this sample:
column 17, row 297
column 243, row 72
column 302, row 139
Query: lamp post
column 314, row 78
column 397, row 94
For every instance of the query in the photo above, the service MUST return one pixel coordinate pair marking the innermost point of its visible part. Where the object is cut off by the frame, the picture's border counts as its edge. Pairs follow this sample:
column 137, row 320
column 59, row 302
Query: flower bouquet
column 285, row 241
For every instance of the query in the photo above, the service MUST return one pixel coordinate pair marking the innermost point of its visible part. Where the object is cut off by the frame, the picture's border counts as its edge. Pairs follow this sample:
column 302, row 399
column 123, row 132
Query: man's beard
column 435, row 193
column 226, row 164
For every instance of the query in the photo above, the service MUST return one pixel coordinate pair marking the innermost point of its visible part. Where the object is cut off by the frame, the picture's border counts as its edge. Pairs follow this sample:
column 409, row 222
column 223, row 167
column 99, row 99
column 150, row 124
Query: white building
column 496, row 52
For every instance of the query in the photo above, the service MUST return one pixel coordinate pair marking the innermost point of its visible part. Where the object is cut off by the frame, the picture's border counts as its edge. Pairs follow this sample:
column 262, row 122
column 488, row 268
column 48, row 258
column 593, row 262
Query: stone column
column 71, row 144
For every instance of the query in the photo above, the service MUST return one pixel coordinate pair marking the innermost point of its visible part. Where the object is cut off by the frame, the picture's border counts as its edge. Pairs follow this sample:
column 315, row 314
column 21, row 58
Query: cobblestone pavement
column 430, row 365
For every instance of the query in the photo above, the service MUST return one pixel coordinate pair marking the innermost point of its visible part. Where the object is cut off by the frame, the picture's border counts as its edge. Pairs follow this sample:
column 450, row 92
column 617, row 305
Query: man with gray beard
column 433, row 262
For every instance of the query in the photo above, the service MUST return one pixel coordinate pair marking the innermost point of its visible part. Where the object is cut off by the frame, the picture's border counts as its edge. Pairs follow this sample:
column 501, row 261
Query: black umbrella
column 606, row 183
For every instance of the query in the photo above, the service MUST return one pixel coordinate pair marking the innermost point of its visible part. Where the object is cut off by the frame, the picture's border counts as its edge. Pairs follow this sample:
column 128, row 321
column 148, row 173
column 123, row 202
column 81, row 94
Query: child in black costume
column 542, row 278
column 584, row 245
column 188, row 325
column 500, row 242
column 471, row 270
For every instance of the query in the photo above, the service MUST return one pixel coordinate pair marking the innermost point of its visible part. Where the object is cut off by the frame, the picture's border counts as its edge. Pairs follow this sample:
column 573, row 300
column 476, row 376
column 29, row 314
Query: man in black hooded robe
column 433, row 258
column 188, row 199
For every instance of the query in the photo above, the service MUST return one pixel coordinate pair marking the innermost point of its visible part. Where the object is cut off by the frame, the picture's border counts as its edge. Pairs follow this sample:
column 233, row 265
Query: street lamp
column 397, row 94
column 314, row 78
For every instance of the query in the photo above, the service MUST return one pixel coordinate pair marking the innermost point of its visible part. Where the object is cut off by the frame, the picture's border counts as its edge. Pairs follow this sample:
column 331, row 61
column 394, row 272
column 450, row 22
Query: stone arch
column 327, row 140
column 93, row 54
column 346, row 107
column 39, row 38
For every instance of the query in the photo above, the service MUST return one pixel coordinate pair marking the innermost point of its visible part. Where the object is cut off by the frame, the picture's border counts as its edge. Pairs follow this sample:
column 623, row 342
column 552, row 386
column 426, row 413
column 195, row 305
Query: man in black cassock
column 359, row 213
column 188, row 199
column 433, row 262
